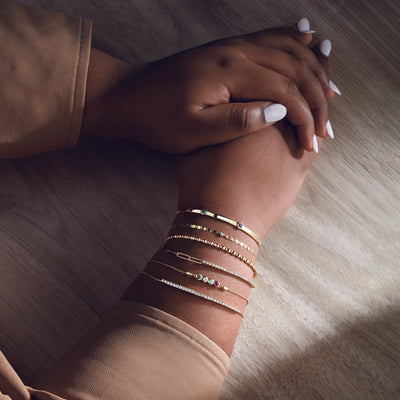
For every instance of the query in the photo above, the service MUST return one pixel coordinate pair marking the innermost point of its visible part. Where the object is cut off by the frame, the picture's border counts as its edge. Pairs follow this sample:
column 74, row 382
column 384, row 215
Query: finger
column 252, row 82
column 323, row 51
column 299, row 31
column 232, row 120
column 303, row 26
column 298, row 71
column 288, row 44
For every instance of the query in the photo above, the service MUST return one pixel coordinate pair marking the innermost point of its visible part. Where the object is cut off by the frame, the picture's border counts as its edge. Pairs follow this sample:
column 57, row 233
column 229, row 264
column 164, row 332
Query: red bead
column 216, row 283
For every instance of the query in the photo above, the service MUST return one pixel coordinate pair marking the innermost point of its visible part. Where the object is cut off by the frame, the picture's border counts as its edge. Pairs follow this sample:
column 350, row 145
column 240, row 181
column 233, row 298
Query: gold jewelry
column 194, row 293
column 229, row 221
column 201, row 278
column 196, row 260
column 221, row 234
column 217, row 246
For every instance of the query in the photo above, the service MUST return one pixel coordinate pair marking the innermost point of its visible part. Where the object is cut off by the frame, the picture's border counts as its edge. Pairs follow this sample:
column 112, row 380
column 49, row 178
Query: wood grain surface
column 324, row 321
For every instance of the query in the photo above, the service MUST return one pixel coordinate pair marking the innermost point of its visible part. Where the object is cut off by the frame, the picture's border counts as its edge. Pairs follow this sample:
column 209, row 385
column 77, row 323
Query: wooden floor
column 324, row 321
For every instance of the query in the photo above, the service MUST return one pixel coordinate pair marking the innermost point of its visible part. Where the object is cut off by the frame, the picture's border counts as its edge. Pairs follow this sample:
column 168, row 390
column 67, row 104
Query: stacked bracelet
column 193, row 292
column 201, row 278
column 229, row 221
column 217, row 246
column 210, row 264
column 220, row 234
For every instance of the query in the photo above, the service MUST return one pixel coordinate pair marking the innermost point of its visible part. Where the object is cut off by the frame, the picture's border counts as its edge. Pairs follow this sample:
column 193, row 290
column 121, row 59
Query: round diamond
column 205, row 279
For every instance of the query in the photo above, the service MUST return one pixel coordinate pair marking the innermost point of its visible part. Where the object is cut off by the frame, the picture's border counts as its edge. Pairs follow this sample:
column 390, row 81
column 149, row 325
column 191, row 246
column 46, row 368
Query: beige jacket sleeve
column 43, row 68
column 136, row 353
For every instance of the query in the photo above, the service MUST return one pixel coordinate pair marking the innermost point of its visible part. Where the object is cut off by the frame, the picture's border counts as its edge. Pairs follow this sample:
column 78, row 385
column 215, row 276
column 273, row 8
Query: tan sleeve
column 11, row 386
column 43, row 68
column 138, row 352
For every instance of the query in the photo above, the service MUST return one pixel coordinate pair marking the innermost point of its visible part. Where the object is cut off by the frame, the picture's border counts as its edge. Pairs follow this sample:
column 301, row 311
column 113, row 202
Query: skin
column 239, row 167
column 210, row 94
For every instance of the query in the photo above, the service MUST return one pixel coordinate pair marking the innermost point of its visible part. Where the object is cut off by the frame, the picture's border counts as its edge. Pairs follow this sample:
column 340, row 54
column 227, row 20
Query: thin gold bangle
column 218, row 233
column 217, row 246
column 194, row 293
column 229, row 221
column 201, row 278
column 196, row 260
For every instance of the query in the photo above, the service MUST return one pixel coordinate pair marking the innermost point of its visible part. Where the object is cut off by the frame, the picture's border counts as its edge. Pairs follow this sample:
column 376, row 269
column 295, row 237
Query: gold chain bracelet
column 217, row 246
column 196, row 260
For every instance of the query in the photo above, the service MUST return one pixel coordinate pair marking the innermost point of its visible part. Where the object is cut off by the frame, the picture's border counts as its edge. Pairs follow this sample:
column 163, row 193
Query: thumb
column 231, row 120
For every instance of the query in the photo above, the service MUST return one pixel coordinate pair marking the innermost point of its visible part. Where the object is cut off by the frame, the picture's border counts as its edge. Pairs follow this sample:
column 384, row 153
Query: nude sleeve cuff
column 44, row 57
column 139, row 352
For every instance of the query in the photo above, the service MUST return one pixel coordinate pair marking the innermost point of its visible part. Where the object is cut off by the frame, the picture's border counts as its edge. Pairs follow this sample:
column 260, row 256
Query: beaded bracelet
column 201, row 278
column 217, row 246
column 196, row 260
column 229, row 221
column 220, row 234
column 194, row 293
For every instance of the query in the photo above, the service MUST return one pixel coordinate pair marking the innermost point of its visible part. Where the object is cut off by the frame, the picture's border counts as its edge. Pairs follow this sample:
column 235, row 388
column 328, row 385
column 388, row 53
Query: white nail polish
column 274, row 112
column 334, row 88
column 325, row 47
column 329, row 130
column 304, row 26
column 315, row 144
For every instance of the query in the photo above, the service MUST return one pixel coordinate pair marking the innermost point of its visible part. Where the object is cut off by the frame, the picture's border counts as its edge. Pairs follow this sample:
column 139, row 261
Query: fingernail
column 274, row 112
column 304, row 26
column 334, row 88
column 325, row 47
column 315, row 144
column 329, row 130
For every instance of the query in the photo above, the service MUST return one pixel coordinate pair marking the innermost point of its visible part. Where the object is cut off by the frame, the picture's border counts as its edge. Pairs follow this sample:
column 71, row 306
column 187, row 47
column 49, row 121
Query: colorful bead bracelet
column 201, row 278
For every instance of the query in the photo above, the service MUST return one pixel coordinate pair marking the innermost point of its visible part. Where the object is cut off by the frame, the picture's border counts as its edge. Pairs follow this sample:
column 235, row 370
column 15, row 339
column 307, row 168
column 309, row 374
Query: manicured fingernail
column 325, row 47
column 304, row 26
column 274, row 112
column 329, row 130
column 334, row 88
column 315, row 144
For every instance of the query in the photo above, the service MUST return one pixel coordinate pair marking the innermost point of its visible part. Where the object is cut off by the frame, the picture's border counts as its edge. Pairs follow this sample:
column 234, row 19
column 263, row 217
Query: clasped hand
column 228, row 89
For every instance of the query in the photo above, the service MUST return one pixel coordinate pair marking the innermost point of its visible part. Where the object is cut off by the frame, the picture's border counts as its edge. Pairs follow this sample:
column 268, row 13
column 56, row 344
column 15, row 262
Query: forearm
column 180, row 353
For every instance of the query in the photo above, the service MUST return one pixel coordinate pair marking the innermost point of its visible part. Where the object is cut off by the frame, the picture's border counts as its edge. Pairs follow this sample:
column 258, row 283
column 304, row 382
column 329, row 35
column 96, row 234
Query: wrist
column 105, row 74
column 194, row 259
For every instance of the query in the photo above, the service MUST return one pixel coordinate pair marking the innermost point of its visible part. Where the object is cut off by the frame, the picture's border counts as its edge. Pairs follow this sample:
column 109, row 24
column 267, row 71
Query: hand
column 215, row 93
column 253, row 179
